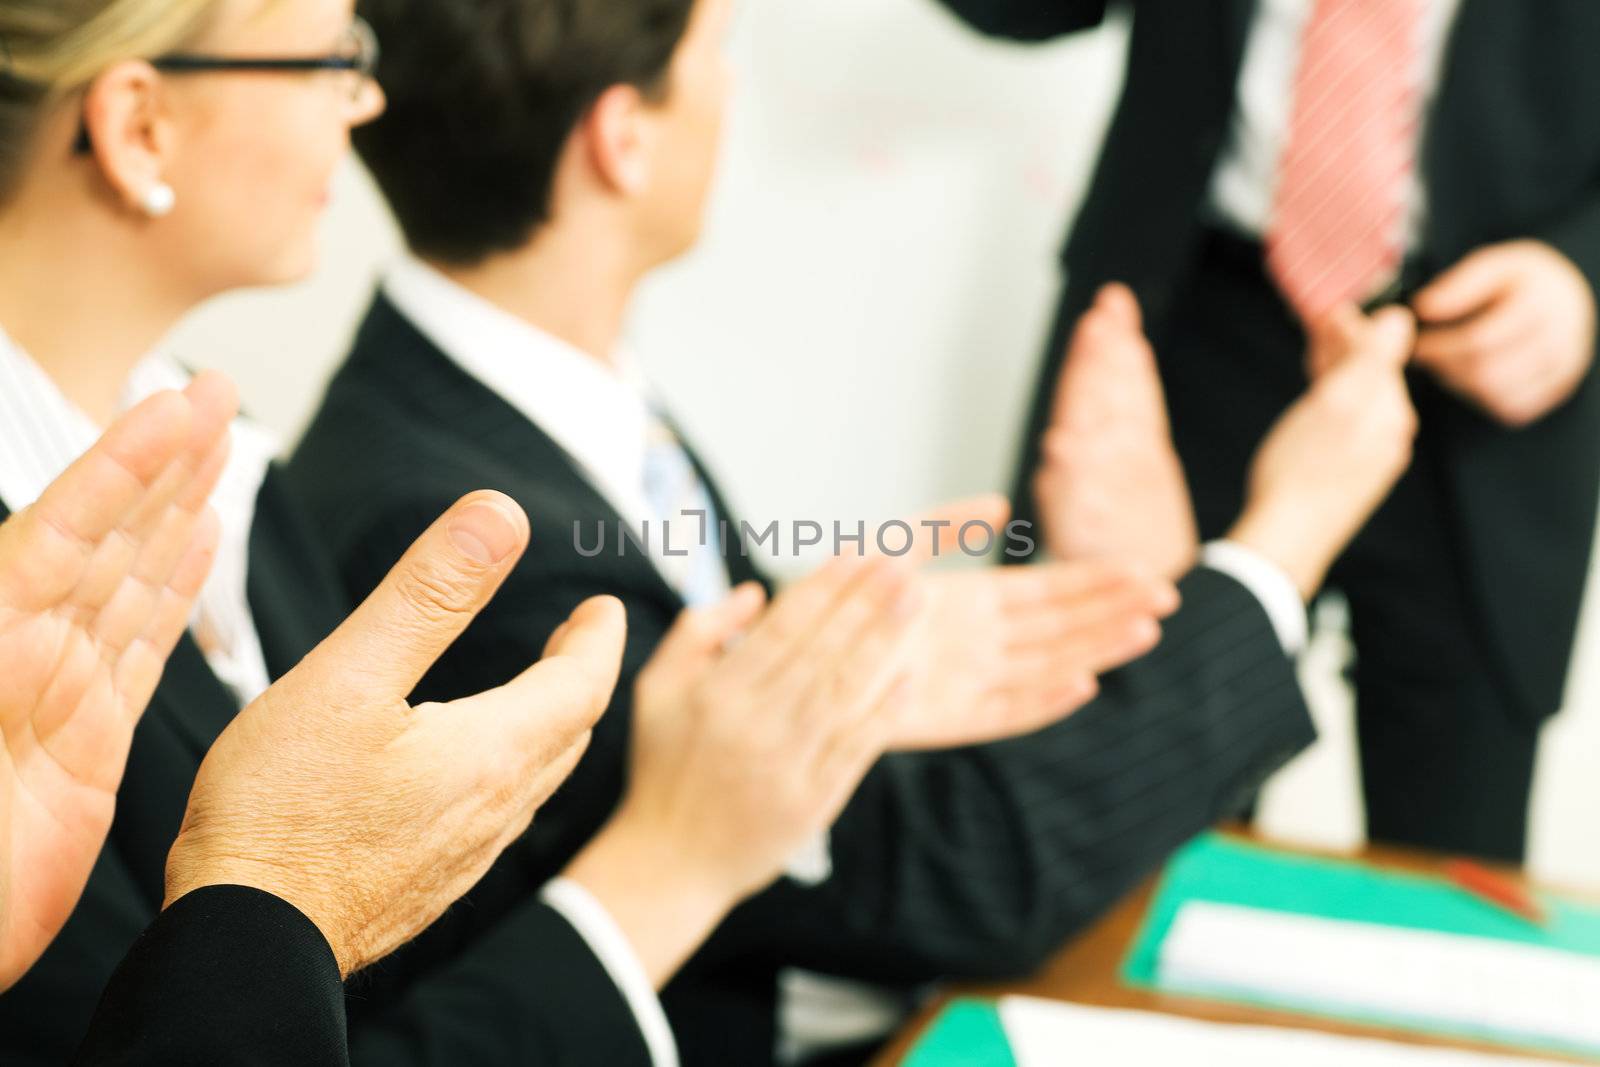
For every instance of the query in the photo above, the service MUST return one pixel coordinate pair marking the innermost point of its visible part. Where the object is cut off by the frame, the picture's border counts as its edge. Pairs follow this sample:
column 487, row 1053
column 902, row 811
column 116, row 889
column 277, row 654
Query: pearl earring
column 158, row 200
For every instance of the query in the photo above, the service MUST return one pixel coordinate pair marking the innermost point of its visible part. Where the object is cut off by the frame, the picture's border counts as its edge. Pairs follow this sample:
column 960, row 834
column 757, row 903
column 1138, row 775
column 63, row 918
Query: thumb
column 1335, row 339
column 1347, row 338
column 1119, row 301
column 1463, row 289
column 429, row 598
column 1108, row 340
column 699, row 635
column 1392, row 337
column 938, row 532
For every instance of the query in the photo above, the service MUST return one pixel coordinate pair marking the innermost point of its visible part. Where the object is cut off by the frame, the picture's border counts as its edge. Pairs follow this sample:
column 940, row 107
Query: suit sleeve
column 532, row 992
column 226, row 977
column 1577, row 236
column 981, row 863
column 1028, row 20
column 234, row 977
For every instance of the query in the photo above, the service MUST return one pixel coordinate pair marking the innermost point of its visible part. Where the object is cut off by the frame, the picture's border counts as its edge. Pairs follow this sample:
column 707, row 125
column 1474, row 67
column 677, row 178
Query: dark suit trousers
column 1446, row 761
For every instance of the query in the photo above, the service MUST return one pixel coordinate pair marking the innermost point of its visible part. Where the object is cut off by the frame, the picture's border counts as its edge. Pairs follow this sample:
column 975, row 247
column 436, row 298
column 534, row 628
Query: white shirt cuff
column 1266, row 581
column 812, row 865
column 615, row 953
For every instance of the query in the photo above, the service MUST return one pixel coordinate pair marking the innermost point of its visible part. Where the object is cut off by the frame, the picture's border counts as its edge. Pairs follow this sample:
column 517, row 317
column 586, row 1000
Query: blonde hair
column 52, row 48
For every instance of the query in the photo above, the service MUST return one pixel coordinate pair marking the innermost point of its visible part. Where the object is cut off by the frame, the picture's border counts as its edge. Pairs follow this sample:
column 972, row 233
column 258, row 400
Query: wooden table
column 1086, row 973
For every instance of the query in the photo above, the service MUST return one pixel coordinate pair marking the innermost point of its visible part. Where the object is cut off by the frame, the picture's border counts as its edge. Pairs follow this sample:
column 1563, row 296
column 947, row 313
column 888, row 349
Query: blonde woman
column 157, row 153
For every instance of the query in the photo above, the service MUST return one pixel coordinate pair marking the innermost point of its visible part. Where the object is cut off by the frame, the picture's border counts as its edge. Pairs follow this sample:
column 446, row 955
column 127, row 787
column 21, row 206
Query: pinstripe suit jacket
column 974, row 863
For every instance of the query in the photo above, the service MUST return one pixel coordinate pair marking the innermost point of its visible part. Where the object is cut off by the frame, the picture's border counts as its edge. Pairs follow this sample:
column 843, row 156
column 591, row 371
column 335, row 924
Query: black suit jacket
column 522, row 989
column 227, row 975
column 233, row 976
column 1511, row 150
column 973, row 863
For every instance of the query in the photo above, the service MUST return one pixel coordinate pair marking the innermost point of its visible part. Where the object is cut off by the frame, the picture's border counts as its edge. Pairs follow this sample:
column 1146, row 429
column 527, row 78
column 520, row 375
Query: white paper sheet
column 1052, row 1034
column 1384, row 972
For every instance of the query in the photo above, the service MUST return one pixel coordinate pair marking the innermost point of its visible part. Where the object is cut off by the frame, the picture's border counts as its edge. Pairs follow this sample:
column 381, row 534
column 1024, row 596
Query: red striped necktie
column 1337, row 232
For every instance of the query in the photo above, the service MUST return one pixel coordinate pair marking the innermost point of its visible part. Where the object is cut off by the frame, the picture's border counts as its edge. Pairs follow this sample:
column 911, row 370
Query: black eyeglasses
column 356, row 55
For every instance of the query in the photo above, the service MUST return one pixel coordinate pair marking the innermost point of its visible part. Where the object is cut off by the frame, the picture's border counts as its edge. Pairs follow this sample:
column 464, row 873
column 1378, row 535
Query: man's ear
column 620, row 133
column 130, row 129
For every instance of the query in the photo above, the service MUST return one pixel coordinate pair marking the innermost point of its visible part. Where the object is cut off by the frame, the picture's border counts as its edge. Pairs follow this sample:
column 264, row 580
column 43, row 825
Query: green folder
column 1221, row 870
column 968, row 1033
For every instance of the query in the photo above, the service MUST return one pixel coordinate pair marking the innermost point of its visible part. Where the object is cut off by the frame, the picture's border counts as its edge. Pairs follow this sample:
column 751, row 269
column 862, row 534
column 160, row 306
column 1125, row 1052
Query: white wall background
column 858, row 331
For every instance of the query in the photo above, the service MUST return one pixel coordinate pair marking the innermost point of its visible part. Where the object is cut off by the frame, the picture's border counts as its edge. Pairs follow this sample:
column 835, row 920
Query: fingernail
column 484, row 533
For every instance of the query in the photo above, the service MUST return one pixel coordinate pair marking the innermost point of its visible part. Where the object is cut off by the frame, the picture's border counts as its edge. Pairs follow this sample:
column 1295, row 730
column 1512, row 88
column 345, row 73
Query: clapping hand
column 97, row 579
column 1003, row 652
column 1337, row 452
column 1110, row 484
column 369, row 815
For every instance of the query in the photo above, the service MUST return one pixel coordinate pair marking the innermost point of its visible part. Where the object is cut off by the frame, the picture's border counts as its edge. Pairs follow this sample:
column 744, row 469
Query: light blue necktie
column 678, row 498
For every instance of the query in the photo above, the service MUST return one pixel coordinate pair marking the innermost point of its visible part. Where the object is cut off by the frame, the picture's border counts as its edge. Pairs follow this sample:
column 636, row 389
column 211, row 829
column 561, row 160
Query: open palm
column 1001, row 652
column 1111, row 483
column 97, row 579
column 1008, row 651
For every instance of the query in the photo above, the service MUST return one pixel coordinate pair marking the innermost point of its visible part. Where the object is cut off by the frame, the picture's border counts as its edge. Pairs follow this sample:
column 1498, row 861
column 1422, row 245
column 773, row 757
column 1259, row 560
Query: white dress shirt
column 42, row 433
column 599, row 415
column 615, row 953
column 1245, row 185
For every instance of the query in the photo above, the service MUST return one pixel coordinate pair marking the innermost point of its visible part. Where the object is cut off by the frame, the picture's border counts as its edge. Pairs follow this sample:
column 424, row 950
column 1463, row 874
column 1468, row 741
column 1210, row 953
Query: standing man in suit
column 492, row 356
column 1273, row 159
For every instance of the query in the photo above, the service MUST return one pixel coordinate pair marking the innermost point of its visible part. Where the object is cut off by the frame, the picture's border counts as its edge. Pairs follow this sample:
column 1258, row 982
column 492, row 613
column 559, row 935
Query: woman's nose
column 369, row 102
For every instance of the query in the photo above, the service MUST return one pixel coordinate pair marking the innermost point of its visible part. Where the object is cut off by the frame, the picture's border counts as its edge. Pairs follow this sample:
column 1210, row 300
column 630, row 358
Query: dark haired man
column 542, row 158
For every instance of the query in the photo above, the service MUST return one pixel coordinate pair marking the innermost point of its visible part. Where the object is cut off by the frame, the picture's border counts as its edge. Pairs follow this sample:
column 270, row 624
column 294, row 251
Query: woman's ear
column 131, row 134
column 620, row 135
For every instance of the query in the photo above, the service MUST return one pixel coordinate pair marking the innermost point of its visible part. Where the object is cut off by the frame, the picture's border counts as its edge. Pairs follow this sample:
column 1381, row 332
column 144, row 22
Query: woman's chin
column 293, row 267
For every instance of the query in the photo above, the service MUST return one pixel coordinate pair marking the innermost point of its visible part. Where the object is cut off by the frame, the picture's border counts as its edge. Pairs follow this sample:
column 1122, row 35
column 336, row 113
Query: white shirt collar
column 597, row 414
column 42, row 433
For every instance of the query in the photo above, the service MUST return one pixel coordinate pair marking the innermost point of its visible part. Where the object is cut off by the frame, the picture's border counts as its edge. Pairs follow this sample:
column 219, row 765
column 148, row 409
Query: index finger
column 945, row 531
column 796, row 613
column 1501, row 325
column 1072, row 581
column 1465, row 288
column 55, row 539
column 110, row 481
